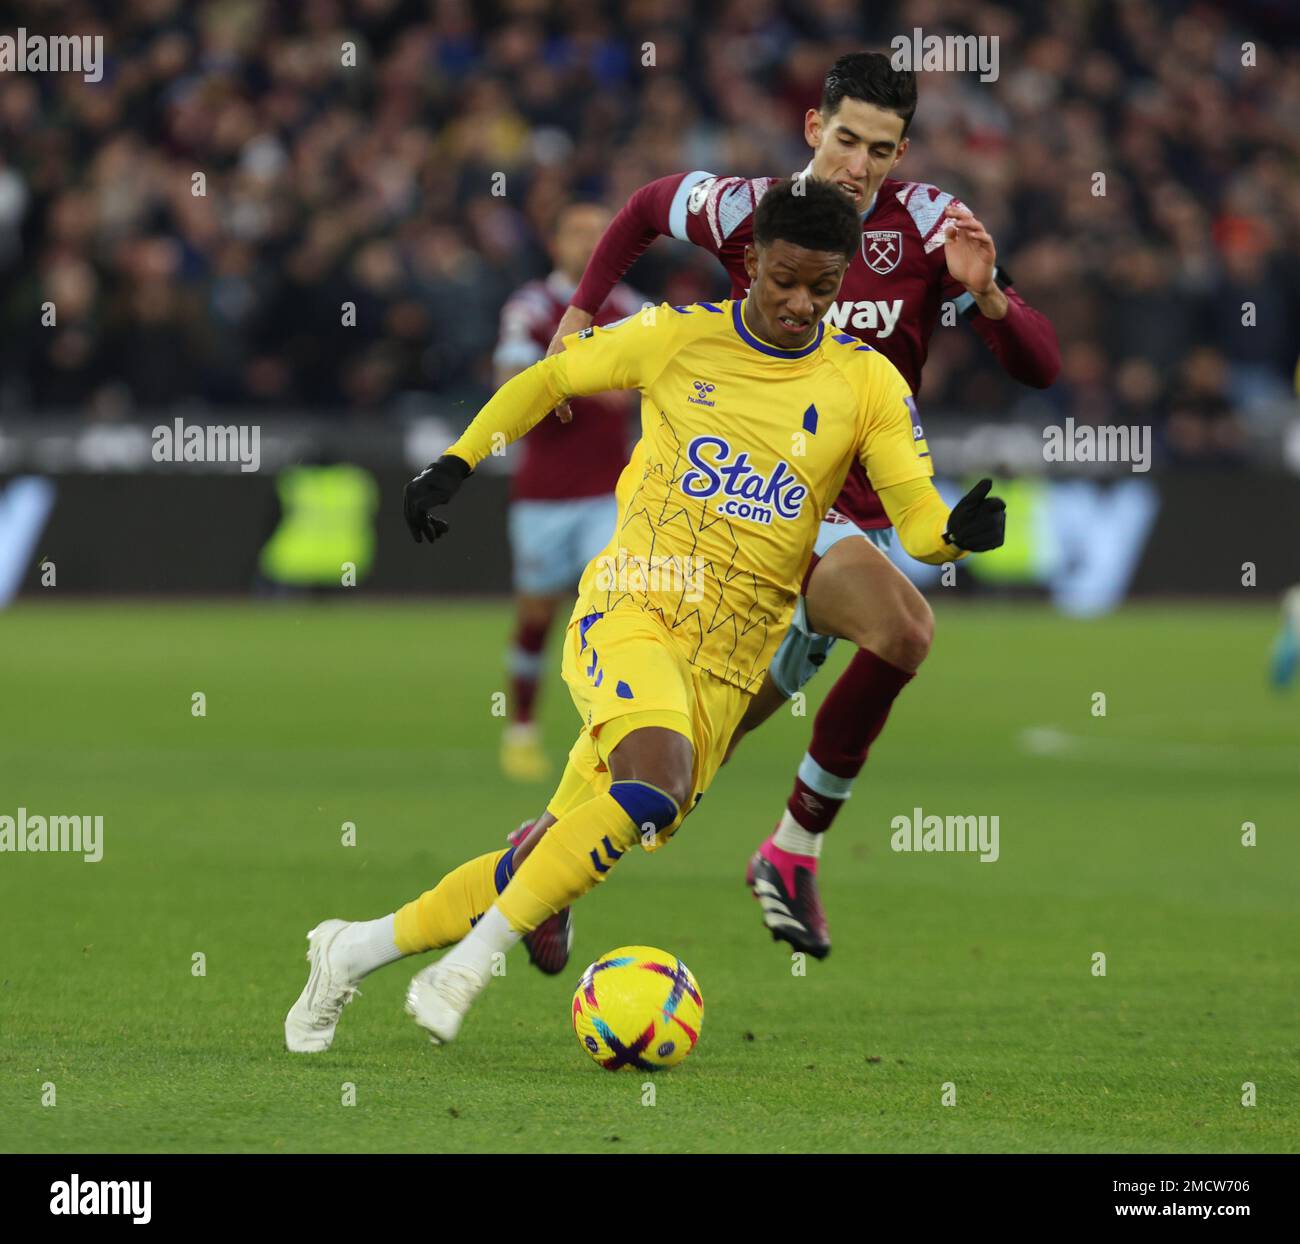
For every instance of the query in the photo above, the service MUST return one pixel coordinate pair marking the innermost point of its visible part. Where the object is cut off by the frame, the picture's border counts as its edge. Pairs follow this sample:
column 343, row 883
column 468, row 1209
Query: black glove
column 978, row 522
column 435, row 485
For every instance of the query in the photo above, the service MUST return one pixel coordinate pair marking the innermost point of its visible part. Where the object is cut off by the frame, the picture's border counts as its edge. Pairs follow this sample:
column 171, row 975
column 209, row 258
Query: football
column 638, row 1007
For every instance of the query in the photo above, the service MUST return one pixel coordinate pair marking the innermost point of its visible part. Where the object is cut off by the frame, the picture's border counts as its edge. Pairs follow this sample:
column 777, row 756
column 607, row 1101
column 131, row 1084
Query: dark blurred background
column 374, row 184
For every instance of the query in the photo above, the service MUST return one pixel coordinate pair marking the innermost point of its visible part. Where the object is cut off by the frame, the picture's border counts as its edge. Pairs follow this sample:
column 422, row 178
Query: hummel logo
column 702, row 390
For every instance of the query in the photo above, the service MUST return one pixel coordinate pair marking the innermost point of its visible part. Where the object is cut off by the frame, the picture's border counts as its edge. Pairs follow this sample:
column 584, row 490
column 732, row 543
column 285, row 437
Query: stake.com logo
column 749, row 493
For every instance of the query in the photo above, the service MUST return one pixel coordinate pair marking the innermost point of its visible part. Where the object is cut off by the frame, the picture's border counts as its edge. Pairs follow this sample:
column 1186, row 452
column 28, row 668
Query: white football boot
column 439, row 996
column 309, row 1026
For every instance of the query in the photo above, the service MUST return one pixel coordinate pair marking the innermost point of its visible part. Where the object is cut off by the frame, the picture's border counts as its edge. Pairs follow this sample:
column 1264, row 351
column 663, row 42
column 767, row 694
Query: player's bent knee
column 659, row 756
column 650, row 808
column 915, row 634
column 902, row 635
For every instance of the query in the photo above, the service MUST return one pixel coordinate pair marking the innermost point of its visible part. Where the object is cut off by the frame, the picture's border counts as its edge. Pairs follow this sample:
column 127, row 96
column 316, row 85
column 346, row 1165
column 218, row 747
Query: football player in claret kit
column 751, row 414
column 920, row 247
column 562, row 505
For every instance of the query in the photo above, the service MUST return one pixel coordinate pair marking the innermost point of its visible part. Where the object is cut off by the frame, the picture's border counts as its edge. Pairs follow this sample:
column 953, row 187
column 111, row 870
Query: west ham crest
column 882, row 249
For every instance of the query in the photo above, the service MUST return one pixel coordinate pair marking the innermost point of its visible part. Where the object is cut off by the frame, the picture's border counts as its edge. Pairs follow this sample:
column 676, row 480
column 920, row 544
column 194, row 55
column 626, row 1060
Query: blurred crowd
column 416, row 178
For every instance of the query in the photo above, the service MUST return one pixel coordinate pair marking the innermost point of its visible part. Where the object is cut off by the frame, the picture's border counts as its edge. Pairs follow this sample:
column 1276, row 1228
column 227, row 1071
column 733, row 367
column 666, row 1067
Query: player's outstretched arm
column 574, row 320
column 1021, row 338
column 647, row 215
column 897, row 460
column 607, row 360
column 434, row 486
column 516, row 407
column 978, row 522
column 932, row 533
column 644, row 217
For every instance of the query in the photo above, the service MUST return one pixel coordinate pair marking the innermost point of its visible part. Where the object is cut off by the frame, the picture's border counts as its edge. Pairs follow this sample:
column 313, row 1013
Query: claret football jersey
column 890, row 297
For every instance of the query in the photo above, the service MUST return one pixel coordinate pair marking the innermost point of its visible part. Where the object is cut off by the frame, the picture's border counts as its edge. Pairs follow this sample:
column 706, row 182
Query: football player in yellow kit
column 751, row 414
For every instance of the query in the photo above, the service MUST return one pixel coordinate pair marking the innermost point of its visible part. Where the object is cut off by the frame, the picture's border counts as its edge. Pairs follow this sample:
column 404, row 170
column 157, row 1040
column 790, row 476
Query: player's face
column 790, row 289
column 855, row 147
column 577, row 231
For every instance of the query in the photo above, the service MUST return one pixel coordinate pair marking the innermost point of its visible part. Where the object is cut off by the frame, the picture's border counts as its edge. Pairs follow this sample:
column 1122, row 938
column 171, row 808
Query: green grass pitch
column 1120, row 834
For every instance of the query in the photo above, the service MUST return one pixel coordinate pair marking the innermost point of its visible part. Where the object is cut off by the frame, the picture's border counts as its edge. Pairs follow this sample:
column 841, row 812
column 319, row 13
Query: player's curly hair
column 870, row 77
column 812, row 214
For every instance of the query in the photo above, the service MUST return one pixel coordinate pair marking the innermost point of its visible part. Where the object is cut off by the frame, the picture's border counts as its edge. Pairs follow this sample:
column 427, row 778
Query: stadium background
column 420, row 184
column 373, row 184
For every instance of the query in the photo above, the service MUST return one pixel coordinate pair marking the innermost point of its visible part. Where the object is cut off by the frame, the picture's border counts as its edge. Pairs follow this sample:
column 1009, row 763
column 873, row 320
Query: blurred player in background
column 562, row 505
column 921, row 247
column 1286, row 644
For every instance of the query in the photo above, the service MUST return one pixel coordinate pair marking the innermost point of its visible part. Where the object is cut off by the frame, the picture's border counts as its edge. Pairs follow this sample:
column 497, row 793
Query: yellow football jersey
column 744, row 447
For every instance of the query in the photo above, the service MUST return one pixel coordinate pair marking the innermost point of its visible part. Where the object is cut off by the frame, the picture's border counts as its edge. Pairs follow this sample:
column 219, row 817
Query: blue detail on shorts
column 609, row 849
column 600, row 678
column 505, row 870
column 584, row 625
column 810, row 420
column 623, row 691
column 591, row 669
column 645, row 804
column 803, row 651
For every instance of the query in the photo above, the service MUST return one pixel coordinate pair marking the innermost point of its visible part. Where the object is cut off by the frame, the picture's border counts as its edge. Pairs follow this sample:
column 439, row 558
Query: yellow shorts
column 625, row 672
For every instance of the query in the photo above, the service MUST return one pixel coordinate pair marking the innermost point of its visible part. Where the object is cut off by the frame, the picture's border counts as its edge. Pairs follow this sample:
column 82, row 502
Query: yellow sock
column 580, row 849
column 443, row 915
